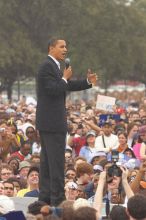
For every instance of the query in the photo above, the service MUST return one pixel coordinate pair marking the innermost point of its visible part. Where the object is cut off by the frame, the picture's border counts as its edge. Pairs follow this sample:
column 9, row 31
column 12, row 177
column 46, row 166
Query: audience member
column 107, row 141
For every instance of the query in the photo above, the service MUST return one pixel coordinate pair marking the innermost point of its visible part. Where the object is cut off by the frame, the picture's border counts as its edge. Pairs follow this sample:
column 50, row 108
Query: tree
column 107, row 36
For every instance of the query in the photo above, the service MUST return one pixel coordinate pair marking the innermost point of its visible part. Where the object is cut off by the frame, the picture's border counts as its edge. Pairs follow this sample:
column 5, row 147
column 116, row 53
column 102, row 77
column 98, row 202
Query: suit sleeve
column 50, row 79
column 78, row 85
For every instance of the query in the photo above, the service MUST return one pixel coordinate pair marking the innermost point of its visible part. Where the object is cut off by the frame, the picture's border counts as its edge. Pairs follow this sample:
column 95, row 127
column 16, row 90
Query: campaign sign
column 105, row 103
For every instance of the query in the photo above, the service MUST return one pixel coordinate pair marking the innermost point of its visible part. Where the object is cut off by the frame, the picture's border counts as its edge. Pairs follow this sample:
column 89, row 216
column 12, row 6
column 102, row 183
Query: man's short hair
column 118, row 212
column 84, row 213
column 53, row 41
column 35, row 207
column 10, row 182
column 5, row 166
column 84, row 168
column 80, row 158
column 136, row 207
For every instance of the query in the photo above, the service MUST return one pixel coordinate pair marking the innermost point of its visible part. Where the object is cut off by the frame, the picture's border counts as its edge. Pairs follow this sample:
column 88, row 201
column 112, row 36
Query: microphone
column 67, row 63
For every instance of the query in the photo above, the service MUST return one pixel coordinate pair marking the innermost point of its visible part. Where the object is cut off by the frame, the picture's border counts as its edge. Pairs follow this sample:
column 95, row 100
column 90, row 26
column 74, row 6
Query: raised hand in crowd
column 92, row 77
column 91, row 125
column 135, row 184
column 98, row 199
column 128, row 191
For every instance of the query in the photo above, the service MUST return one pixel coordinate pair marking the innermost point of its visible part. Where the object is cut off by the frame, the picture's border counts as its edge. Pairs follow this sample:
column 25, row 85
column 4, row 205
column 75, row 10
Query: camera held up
column 114, row 170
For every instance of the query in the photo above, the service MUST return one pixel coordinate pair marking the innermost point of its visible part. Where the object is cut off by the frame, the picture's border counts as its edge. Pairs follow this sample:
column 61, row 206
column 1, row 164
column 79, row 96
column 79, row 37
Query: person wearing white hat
column 71, row 191
column 88, row 150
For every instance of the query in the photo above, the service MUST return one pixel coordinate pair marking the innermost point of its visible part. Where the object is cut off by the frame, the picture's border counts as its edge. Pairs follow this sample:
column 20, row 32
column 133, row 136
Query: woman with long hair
column 132, row 129
column 122, row 137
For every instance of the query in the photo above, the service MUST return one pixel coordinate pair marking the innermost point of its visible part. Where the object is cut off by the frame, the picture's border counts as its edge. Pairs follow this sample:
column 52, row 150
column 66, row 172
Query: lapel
column 58, row 71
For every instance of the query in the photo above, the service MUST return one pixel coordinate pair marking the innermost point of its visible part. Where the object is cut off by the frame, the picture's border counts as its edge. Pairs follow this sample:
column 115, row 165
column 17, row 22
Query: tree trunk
column 9, row 91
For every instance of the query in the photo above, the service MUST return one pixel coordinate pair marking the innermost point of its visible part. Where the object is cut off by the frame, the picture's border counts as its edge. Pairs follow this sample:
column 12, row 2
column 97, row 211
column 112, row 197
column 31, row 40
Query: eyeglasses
column 10, row 188
column 3, row 174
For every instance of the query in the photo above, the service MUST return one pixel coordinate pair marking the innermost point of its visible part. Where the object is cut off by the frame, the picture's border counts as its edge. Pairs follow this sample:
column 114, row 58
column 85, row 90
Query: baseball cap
column 33, row 168
column 97, row 154
column 72, row 185
column 23, row 164
column 97, row 168
column 91, row 132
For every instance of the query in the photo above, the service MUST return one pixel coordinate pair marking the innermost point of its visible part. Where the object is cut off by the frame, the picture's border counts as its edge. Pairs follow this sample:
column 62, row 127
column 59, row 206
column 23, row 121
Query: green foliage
column 107, row 36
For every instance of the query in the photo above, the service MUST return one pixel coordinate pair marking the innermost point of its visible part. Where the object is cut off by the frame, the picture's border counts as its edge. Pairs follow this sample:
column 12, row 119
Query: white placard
column 105, row 103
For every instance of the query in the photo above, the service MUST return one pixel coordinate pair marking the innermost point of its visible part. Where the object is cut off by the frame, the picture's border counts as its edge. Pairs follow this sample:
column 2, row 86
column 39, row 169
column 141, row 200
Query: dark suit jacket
column 51, row 93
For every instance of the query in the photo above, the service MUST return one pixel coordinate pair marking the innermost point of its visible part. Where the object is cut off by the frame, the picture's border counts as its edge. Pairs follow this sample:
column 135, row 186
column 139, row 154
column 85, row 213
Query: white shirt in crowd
column 111, row 142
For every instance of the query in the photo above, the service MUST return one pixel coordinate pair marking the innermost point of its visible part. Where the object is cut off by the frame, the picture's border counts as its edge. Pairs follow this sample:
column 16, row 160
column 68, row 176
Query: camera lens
column 110, row 171
column 114, row 170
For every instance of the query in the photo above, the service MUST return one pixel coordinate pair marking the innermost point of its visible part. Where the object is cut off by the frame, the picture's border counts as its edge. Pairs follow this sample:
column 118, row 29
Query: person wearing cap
column 22, row 173
column 88, row 150
column 142, row 133
column 97, row 157
column 32, row 183
column 91, row 187
column 107, row 141
column 71, row 191
column 23, row 169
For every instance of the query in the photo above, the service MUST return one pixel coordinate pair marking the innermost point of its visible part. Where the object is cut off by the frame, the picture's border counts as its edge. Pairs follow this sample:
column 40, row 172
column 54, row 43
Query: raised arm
column 128, row 191
column 98, row 199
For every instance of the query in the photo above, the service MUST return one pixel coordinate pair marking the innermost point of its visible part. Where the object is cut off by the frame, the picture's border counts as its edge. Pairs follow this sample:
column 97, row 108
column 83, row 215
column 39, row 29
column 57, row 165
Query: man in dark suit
column 51, row 122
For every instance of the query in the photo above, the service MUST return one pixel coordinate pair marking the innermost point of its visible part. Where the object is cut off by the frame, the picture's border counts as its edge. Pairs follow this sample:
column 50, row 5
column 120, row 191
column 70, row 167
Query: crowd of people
column 105, row 162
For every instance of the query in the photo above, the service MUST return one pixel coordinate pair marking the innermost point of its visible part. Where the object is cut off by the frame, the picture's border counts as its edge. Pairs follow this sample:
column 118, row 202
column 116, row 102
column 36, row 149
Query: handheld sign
column 105, row 103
